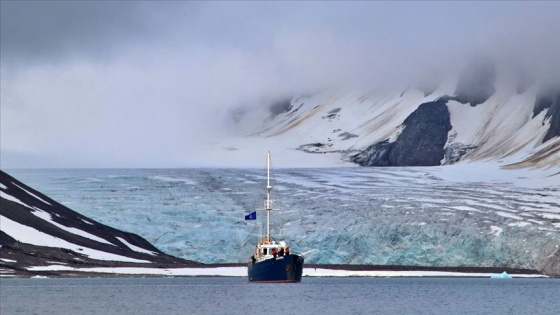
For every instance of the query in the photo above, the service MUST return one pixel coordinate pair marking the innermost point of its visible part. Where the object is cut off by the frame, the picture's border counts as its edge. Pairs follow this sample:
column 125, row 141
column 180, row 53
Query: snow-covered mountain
column 492, row 199
column 38, row 231
column 485, row 114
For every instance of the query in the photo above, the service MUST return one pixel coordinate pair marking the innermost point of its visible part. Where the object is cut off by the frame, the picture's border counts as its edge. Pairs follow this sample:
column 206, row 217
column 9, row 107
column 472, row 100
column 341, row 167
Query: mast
column 268, row 205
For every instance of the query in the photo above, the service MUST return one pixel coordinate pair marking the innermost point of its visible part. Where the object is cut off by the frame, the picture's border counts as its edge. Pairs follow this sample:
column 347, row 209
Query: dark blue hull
column 281, row 269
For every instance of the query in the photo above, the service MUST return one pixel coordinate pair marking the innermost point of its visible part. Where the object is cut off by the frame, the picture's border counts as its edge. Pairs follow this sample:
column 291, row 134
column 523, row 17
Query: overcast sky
column 143, row 84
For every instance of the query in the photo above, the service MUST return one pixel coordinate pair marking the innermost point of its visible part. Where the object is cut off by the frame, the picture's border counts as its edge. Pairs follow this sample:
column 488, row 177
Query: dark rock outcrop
column 280, row 107
column 455, row 151
column 421, row 142
column 549, row 263
column 374, row 155
column 549, row 101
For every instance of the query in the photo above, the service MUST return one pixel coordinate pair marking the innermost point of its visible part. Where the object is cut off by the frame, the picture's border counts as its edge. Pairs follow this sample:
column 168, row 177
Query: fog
column 148, row 84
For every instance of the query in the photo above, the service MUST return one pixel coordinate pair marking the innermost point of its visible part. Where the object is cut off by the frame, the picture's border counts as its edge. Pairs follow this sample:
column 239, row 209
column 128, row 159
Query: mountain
column 483, row 141
column 483, row 114
column 38, row 231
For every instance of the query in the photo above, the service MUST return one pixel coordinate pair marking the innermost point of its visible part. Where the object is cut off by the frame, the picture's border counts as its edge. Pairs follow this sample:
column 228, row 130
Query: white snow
column 550, row 216
column 519, row 224
column 3, row 186
column 32, row 194
column 26, row 234
column 14, row 199
column 8, row 260
column 465, row 208
column 242, row 272
column 136, row 248
column 217, row 271
column 488, row 172
column 48, row 217
column 508, row 215
column 496, row 230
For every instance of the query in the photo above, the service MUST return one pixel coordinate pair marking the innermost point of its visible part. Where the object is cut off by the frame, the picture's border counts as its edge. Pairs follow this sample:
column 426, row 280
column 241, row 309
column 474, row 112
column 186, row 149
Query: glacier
column 459, row 215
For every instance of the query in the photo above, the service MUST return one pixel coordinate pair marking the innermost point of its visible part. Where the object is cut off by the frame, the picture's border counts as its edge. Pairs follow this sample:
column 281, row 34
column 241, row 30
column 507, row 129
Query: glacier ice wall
column 395, row 216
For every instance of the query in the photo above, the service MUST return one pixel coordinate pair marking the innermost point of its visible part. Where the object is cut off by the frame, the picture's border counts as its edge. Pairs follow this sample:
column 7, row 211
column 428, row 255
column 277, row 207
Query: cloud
column 49, row 31
column 146, row 83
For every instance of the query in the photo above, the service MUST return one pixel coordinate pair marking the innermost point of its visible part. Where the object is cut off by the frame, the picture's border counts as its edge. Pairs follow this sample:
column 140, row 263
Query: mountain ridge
column 38, row 231
column 491, row 118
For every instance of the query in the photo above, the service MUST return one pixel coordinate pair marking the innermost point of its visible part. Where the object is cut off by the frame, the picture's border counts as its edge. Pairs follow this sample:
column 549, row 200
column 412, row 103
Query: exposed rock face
column 476, row 84
column 551, row 102
column 455, row 151
column 421, row 142
column 374, row 155
column 280, row 107
column 550, row 264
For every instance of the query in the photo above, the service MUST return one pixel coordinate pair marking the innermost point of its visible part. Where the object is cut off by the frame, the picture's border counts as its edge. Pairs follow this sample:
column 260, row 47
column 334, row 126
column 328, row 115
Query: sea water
column 234, row 295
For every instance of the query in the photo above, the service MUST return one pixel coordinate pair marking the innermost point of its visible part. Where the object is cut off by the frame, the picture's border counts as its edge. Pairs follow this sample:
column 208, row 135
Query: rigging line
column 276, row 198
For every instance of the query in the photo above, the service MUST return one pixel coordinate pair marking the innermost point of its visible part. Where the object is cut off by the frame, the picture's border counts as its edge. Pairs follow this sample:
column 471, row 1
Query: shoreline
column 239, row 270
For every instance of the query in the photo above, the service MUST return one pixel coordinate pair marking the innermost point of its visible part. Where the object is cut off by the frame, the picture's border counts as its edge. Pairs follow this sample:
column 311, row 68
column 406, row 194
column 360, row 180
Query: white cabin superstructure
column 266, row 250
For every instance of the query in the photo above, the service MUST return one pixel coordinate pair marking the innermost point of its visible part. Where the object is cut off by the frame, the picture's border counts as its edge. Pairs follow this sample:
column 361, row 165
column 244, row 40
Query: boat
column 272, row 260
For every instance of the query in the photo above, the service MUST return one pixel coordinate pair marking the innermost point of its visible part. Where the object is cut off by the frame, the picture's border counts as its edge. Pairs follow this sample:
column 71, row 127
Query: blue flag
column 251, row 216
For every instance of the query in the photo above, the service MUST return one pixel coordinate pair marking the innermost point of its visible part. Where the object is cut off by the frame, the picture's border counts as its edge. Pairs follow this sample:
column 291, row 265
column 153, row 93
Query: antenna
column 268, row 204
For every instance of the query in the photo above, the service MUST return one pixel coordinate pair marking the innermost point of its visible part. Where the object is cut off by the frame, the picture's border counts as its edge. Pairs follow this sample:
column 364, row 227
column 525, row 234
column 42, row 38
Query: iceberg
column 503, row 275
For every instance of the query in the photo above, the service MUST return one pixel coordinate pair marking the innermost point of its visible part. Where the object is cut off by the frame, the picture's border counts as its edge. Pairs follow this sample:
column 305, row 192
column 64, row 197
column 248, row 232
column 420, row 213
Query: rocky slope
column 486, row 114
column 38, row 231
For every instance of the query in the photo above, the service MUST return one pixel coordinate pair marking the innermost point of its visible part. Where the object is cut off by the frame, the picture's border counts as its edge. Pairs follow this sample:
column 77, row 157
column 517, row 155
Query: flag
column 251, row 216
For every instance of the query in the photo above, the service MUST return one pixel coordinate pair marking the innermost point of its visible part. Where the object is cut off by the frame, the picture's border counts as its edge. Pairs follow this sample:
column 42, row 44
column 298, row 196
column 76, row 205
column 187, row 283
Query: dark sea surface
column 203, row 295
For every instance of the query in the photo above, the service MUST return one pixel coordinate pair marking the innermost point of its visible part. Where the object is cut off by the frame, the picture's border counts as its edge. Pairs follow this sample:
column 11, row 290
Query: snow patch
column 242, row 272
column 32, row 194
column 13, row 199
column 29, row 235
column 136, row 248
column 519, row 224
column 48, row 217
column 496, row 230
column 550, row 216
column 508, row 215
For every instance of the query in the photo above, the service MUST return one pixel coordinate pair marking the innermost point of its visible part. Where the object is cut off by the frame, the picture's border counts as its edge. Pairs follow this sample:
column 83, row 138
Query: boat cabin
column 270, row 249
